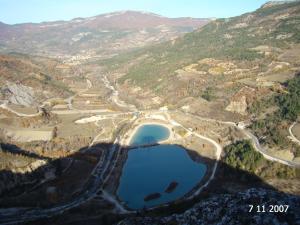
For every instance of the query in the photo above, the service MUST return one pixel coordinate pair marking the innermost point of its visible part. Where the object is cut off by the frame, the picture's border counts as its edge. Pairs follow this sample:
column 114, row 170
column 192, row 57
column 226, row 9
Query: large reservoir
column 158, row 174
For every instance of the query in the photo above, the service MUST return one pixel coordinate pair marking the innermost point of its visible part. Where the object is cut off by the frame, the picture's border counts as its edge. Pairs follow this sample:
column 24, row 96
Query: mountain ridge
column 107, row 15
column 96, row 36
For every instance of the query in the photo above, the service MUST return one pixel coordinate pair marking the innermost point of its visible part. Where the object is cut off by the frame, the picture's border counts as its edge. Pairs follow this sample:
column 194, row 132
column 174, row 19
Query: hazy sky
column 20, row 11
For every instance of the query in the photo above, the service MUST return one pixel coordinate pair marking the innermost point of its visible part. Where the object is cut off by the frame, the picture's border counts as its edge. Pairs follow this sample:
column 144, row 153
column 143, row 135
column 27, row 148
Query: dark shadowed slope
column 225, row 199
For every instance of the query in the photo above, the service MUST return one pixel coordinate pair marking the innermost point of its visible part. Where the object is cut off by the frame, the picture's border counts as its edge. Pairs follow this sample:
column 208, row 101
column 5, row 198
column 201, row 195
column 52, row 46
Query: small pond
column 150, row 133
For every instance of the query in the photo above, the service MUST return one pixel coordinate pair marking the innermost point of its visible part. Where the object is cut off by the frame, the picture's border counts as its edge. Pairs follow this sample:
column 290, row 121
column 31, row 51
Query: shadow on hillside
column 76, row 168
column 13, row 149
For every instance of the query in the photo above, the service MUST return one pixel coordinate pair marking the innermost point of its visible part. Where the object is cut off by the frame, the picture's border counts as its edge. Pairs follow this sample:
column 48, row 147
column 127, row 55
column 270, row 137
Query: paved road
column 254, row 140
column 292, row 136
column 4, row 106
column 70, row 99
column 259, row 148
column 115, row 96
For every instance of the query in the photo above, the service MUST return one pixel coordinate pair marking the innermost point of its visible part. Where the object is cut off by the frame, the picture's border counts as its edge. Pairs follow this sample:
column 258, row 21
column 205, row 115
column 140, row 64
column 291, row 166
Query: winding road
column 69, row 100
column 292, row 136
column 4, row 106
column 115, row 96
column 254, row 140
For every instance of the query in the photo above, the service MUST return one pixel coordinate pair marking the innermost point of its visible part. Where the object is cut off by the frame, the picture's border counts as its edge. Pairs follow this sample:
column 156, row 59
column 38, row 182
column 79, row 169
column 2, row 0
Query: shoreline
column 125, row 142
column 173, row 138
column 187, row 196
column 133, row 131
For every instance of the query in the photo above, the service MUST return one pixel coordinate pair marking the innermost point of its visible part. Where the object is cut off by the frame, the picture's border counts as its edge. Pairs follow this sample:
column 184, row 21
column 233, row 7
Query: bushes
column 288, row 110
column 208, row 94
column 242, row 156
column 258, row 106
column 289, row 103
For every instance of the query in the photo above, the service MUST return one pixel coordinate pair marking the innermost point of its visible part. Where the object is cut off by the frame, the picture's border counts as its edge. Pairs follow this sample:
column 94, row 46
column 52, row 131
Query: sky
column 21, row 11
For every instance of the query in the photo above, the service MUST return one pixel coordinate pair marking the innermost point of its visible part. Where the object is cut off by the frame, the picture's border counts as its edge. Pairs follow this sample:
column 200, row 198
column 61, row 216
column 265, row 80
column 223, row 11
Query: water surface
column 151, row 170
column 149, row 134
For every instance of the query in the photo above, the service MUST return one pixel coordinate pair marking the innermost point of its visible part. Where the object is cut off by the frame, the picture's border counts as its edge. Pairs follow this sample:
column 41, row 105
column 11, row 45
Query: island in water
column 172, row 186
column 152, row 197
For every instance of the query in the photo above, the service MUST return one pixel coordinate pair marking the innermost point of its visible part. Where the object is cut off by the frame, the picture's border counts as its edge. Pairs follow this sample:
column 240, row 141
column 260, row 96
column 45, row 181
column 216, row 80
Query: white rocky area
column 18, row 94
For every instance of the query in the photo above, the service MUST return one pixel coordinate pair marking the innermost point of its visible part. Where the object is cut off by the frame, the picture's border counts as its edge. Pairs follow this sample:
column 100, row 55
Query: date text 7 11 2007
column 269, row 208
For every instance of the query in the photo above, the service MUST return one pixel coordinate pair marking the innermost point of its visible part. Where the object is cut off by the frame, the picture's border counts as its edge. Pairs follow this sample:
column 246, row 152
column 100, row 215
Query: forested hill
column 250, row 41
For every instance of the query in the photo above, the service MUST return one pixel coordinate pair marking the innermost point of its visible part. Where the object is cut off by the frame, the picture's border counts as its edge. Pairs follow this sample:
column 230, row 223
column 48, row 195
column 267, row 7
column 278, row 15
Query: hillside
column 27, row 80
column 257, row 50
column 98, row 36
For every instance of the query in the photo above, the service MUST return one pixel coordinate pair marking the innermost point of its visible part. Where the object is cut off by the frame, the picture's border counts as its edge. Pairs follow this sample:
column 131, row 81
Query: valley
column 134, row 118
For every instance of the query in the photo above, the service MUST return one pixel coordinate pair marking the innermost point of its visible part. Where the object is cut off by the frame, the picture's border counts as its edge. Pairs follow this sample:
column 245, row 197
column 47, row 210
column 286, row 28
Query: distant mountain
column 100, row 35
column 137, row 20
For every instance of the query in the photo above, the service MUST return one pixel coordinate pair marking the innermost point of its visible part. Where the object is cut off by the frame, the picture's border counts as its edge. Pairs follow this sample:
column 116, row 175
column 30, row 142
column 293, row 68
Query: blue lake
column 152, row 169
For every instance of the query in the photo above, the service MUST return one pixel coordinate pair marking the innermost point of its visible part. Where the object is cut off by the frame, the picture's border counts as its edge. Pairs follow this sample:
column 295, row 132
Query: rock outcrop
column 232, row 209
column 240, row 100
column 18, row 94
